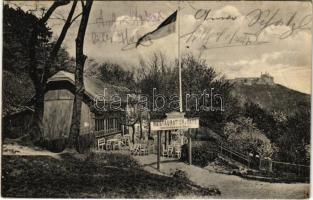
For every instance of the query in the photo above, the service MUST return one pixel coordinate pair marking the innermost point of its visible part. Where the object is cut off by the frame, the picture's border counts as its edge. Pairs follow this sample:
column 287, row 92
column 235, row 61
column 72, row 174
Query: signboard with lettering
column 175, row 123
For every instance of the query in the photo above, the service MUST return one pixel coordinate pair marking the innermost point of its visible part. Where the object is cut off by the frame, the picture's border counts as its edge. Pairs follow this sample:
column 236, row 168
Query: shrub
column 85, row 142
column 201, row 155
column 113, row 159
column 247, row 138
column 54, row 145
column 181, row 175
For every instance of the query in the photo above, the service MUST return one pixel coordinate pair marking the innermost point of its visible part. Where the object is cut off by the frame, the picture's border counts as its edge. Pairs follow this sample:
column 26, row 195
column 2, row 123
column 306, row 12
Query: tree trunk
column 36, row 131
column 38, row 75
column 133, row 137
column 79, row 75
column 140, row 127
column 149, row 129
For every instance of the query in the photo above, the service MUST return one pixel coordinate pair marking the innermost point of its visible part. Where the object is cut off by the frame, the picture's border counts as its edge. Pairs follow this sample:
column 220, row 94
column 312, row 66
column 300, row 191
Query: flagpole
column 179, row 60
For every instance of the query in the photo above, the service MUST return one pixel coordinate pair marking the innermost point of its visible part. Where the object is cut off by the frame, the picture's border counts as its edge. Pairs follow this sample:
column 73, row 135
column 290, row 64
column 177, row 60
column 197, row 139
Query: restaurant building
column 58, row 106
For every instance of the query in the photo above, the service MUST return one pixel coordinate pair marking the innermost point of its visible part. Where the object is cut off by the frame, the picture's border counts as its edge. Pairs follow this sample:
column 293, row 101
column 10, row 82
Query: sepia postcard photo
column 156, row 99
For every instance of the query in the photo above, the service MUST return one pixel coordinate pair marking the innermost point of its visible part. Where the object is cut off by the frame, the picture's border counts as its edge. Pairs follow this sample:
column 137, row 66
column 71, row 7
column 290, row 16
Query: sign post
column 174, row 124
column 189, row 148
column 174, row 121
column 159, row 149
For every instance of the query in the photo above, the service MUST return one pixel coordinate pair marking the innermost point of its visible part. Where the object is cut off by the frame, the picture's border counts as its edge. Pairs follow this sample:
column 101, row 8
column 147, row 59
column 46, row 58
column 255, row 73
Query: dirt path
column 16, row 149
column 230, row 186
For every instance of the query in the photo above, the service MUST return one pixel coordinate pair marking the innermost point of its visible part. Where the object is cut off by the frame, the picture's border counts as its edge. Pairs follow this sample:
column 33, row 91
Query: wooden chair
column 101, row 144
column 108, row 146
column 124, row 146
column 131, row 149
column 117, row 145
column 164, row 151
column 170, row 151
column 134, row 149
column 126, row 140
column 177, row 151
column 144, row 150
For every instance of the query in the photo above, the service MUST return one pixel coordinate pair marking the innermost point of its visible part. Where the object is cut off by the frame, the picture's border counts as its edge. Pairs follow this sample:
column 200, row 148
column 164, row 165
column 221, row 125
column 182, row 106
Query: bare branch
column 76, row 17
column 83, row 4
column 57, row 18
column 62, row 2
column 61, row 38
column 36, row 77
column 53, row 7
column 43, row 10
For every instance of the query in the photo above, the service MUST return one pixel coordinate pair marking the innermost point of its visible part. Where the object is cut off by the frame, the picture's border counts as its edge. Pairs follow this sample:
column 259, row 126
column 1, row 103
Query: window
column 99, row 124
column 107, row 124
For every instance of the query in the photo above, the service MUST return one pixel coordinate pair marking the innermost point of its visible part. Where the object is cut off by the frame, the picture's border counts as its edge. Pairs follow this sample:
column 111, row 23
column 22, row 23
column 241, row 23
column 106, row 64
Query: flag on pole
column 167, row 27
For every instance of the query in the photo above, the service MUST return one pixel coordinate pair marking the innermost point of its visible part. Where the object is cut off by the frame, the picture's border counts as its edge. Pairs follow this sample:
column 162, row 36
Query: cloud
column 288, row 59
column 123, row 34
column 227, row 10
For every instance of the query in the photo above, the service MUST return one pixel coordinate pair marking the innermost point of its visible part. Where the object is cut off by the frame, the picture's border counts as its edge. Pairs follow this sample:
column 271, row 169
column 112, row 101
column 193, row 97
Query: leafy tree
column 64, row 61
column 273, row 125
column 18, row 88
column 17, row 27
column 289, row 134
column 156, row 77
column 114, row 74
column 197, row 77
column 29, row 38
column 295, row 142
column 230, row 128
column 216, row 105
column 246, row 137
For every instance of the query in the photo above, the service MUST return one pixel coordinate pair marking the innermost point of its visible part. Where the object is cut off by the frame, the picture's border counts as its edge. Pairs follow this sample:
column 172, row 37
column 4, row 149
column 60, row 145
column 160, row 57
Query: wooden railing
column 266, row 165
column 107, row 132
column 100, row 133
column 234, row 155
column 299, row 170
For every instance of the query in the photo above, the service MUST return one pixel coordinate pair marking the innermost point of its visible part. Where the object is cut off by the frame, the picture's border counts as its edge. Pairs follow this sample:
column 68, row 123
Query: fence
column 239, row 157
column 299, row 170
column 268, row 165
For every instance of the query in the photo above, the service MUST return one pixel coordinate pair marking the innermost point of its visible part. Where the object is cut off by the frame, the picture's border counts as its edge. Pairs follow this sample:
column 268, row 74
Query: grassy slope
column 97, row 176
column 275, row 97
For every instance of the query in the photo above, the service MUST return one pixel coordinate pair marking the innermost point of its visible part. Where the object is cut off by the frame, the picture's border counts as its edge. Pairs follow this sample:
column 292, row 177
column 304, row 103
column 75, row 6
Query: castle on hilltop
column 264, row 79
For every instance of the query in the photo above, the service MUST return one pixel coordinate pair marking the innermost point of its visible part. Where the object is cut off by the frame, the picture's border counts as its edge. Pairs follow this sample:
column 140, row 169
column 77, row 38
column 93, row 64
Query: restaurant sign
column 175, row 123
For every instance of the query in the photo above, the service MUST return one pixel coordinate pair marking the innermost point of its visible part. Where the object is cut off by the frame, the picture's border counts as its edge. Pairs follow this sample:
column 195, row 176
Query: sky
column 238, row 39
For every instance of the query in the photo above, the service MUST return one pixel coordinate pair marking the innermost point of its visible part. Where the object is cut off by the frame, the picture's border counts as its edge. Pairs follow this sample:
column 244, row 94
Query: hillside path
column 231, row 186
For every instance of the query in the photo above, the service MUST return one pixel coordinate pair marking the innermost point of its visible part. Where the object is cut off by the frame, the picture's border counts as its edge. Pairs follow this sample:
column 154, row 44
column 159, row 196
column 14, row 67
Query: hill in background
column 271, row 97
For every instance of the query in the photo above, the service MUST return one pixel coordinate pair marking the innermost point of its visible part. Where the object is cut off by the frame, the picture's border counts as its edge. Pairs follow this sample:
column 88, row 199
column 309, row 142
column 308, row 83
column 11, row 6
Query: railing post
column 158, row 149
column 248, row 162
column 190, row 148
column 165, row 139
column 270, row 167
